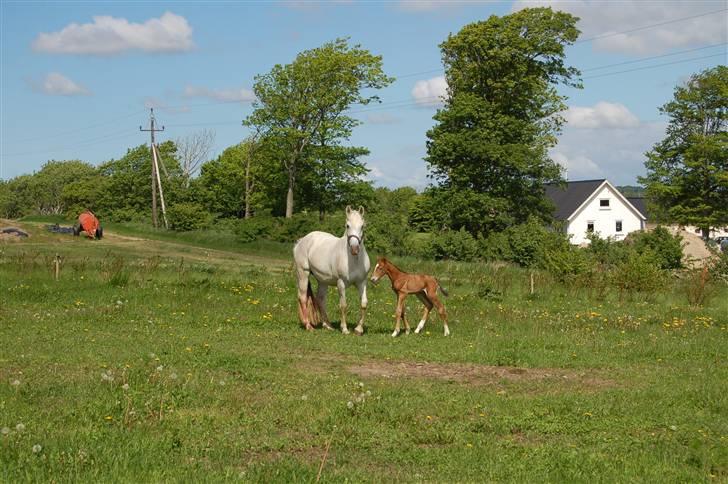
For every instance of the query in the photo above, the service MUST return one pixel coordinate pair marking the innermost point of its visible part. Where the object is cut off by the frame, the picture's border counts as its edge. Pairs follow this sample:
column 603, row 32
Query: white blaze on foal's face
column 354, row 229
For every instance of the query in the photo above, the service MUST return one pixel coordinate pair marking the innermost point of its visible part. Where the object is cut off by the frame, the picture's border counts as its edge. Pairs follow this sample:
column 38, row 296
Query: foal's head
column 354, row 229
column 380, row 269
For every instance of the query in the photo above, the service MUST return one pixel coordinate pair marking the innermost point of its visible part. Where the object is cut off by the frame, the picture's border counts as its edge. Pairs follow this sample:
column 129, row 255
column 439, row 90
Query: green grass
column 223, row 384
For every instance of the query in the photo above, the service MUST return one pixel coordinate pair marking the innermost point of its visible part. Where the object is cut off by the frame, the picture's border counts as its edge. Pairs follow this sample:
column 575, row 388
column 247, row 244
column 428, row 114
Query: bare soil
column 471, row 374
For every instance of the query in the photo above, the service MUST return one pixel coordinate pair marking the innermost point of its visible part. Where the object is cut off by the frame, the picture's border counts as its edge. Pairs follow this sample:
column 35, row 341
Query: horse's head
column 379, row 270
column 354, row 229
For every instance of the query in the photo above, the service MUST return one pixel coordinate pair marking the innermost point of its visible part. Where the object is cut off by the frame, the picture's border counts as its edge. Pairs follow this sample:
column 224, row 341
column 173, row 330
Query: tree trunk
column 289, row 196
column 247, row 188
column 706, row 232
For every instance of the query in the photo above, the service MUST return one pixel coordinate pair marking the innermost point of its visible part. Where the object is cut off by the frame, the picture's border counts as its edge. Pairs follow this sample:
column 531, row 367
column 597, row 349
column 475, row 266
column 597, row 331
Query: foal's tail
column 444, row 291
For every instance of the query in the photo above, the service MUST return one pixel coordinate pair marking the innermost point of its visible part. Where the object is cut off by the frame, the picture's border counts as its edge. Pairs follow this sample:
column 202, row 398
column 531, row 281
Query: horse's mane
column 392, row 264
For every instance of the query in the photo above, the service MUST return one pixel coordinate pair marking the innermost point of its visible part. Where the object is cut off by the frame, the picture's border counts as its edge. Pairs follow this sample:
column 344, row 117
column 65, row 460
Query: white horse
column 333, row 261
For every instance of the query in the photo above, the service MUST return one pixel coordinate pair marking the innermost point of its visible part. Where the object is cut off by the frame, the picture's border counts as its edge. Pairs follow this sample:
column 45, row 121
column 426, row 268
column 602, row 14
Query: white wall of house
column 604, row 209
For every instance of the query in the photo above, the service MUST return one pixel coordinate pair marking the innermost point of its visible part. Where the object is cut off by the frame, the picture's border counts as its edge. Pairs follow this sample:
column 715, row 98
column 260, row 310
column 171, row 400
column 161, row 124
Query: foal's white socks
column 420, row 326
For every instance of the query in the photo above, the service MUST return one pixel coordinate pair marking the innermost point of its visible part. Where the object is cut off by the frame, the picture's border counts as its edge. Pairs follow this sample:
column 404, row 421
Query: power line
column 654, row 66
column 681, row 19
column 642, row 59
column 76, row 130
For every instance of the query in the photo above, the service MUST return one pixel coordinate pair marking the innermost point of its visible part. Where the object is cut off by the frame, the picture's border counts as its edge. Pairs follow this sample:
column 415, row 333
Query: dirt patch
column 471, row 374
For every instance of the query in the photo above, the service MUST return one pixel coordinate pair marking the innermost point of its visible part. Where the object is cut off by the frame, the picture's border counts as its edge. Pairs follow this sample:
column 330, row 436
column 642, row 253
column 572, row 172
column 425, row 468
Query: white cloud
column 616, row 154
column 110, row 35
column 601, row 115
column 599, row 18
column 577, row 167
column 226, row 95
column 56, row 84
column 430, row 92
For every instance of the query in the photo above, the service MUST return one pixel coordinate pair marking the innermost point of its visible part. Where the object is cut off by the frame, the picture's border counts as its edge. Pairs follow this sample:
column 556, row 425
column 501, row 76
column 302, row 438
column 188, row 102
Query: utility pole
column 152, row 130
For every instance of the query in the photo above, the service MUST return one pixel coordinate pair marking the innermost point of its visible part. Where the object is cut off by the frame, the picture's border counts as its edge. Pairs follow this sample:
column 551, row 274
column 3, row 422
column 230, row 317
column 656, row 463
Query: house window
column 604, row 203
column 618, row 227
column 590, row 227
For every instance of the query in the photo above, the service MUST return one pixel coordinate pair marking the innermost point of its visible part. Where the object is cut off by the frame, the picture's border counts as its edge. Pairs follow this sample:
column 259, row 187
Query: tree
column 192, row 151
column 299, row 102
column 489, row 148
column 687, row 172
column 230, row 184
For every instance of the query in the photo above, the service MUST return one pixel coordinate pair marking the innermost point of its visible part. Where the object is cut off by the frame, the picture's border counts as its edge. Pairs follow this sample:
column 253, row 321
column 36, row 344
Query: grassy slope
column 224, row 385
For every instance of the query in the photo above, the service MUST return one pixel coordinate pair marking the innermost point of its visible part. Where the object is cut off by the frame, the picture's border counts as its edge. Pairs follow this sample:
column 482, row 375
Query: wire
column 654, row 66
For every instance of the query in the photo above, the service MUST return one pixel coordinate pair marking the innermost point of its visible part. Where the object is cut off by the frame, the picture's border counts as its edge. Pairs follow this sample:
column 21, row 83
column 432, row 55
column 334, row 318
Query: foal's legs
column 428, row 307
column 362, row 286
column 400, row 311
column 441, row 311
column 304, row 305
column 321, row 293
column 341, row 286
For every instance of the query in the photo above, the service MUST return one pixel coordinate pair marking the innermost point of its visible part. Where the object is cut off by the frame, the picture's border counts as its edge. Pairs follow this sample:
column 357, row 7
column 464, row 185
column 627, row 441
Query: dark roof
column 640, row 203
column 570, row 196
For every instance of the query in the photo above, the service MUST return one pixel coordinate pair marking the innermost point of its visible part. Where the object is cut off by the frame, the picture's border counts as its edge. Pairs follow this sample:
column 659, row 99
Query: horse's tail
column 312, row 305
column 444, row 291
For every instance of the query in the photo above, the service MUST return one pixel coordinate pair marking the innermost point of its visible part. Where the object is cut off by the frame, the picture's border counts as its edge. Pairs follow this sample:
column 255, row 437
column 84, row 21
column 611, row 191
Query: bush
column 252, row 229
column 457, row 245
column 525, row 244
column 665, row 247
column 188, row 216
column 639, row 273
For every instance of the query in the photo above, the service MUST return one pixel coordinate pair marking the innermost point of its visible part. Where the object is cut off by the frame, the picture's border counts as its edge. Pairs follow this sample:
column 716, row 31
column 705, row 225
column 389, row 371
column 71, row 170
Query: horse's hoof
column 359, row 331
column 326, row 326
column 344, row 331
column 309, row 328
column 395, row 334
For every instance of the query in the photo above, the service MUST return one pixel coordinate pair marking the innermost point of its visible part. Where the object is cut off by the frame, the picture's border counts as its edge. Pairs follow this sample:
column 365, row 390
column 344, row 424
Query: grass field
column 159, row 360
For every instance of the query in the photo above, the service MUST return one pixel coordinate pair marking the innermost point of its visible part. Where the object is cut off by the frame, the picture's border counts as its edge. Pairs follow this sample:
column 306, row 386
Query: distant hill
column 632, row 191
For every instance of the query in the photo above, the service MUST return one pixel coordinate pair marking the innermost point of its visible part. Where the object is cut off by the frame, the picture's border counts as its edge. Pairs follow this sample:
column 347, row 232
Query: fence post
column 57, row 264
column 531, row 282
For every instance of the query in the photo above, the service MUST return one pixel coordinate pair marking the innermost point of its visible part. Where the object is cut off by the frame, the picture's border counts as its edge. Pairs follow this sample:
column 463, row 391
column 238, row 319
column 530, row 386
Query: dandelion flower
column 15, row 383
column 37, row 448
column 349, row 404
column 173, row 376
column 4, row 431
column 369, row 393
column 20, row 427
column 304, row 397
column 222, row 382
column 160, row 368
column 125, row 386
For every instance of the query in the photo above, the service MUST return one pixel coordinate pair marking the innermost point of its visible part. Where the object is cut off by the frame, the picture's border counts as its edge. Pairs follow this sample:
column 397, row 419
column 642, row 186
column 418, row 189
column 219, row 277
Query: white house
column 594, row 206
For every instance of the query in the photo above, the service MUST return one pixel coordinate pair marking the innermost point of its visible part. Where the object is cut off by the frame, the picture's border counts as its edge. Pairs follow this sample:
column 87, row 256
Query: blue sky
column 78, row 77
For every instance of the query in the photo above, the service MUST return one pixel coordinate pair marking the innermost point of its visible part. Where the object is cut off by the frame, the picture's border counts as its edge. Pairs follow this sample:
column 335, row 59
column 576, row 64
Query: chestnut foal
column 403, row 284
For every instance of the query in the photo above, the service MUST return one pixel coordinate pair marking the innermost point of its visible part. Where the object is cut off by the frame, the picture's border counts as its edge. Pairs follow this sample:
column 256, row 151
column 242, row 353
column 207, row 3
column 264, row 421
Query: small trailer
column 87, row 222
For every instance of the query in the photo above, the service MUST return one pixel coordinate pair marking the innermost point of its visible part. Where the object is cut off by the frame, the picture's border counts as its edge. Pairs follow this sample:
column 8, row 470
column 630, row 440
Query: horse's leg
column 303, row 302
column 428, row 307
column 400, row 310
column 441, row 311
column 362, row 286
column 321, row 293
column 404, row 318
column 341, row 286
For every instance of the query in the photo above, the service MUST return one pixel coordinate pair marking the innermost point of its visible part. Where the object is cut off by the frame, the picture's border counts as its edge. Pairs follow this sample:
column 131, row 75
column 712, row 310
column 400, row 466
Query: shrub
column 457, row 245
column 188, row 216
column 666, row 248
column 639, row 273
column 252, row 229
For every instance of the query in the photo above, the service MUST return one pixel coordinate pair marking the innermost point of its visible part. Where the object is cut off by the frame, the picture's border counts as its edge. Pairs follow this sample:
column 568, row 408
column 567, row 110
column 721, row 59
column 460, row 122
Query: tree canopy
column 304, row 103
column 687, row 172
column 489, row 148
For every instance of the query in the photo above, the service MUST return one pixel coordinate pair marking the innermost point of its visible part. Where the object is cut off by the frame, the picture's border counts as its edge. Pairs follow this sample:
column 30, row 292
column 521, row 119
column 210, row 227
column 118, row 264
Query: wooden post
column 57, row 266
column 531, row 282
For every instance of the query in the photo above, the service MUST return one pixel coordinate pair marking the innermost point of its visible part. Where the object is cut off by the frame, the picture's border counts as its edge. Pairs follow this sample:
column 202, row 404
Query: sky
column 77, row 79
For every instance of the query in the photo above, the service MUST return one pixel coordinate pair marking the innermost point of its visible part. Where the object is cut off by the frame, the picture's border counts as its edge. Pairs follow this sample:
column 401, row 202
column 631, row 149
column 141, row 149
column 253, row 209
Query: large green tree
column 305, row 102
column 687, row 172
column 489, row 148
